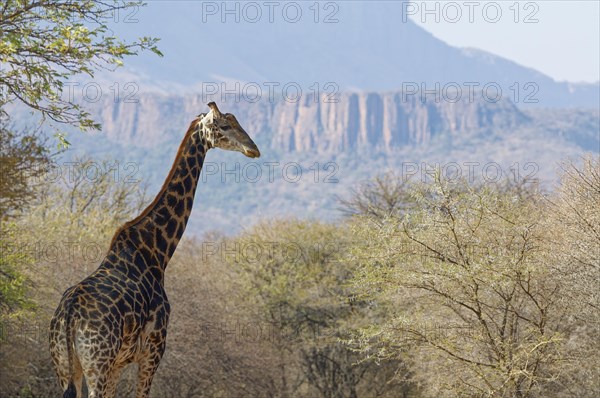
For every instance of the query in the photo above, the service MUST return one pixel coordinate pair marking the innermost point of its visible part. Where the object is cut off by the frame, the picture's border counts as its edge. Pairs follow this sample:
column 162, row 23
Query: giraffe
column 119, row 314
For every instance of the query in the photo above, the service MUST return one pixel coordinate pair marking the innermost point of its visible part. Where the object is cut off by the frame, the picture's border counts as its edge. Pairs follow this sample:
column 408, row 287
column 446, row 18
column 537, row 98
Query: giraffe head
column 222, row 130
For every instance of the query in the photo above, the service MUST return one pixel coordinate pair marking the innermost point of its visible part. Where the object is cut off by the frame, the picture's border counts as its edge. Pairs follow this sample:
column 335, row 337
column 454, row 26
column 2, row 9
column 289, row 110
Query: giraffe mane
column 193, row 126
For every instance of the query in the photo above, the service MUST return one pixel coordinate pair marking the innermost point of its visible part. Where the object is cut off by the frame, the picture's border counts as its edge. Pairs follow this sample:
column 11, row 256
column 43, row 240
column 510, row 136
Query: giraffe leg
column 145, row 376
column 111, row 386
column 148, row 363
column 98, row 372
column 104, row 387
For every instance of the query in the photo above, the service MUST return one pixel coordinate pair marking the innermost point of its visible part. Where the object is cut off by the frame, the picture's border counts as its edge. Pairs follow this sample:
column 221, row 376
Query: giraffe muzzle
column 252, row 152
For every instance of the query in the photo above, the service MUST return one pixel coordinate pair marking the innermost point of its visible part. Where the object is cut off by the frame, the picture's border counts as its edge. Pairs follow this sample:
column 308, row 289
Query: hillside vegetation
column 425, row 288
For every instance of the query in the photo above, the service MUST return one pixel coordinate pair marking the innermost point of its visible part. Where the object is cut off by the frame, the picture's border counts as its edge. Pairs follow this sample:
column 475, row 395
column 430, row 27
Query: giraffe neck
column 150, row 239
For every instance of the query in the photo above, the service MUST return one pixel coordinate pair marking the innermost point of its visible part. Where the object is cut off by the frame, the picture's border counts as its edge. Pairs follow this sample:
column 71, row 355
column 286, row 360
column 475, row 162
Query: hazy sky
column 560, row 38
column 564, row 43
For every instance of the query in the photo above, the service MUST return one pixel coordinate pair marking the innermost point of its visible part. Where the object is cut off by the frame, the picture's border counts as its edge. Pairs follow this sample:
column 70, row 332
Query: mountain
column 356, row 121
column 359, row 45
column 329, row 105
column 313, row 152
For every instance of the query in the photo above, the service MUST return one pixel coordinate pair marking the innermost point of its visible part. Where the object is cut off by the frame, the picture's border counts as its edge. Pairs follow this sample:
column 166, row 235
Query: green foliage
column 465, row 289
column 470, row 290
column 46, row 42
column 85, row 199
column 383, row 196
column 23, row 158
column 292, row 269
column 14, row 299
column 299, row 284
column 576, row 221
column 572, row 249
column 60, row 239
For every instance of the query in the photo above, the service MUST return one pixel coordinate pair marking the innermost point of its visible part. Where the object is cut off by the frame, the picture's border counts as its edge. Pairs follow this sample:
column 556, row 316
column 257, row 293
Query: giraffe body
column 113, row 322
column 119, row 314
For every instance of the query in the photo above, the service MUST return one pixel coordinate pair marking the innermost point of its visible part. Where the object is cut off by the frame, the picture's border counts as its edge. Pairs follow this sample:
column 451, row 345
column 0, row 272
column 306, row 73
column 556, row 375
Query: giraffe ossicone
column 119, row 314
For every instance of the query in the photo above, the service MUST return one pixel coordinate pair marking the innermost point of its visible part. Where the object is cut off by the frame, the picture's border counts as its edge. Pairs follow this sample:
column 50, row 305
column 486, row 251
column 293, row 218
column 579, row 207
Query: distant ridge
column 377, row 121
column 371, row 47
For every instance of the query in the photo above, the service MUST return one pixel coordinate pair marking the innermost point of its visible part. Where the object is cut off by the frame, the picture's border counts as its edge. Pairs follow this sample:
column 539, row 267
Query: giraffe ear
column 207, row 119
column 215, row 109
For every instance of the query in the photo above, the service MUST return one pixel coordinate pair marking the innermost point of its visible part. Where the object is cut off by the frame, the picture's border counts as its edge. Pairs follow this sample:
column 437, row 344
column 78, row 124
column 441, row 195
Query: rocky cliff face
column 357, row 120
column 407, row 132
column 383, row 121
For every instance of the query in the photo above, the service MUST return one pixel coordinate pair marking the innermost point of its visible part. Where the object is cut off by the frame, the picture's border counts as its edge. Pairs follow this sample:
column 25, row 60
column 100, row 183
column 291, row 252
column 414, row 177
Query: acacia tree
column 293, row 277
column 23, row 157
column 210, row 322
column 74, row 221
column 43, row 43
column 381, row 197
column 467, row 294
column 13, row 284
column 575, row 210
column 85, row 198
column 573, row 251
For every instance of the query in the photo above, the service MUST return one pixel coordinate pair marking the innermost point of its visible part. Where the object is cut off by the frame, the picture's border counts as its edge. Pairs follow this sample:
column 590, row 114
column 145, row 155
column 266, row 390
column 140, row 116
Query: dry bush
column 473, row 292
column 74, row 218
column 573, row 250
